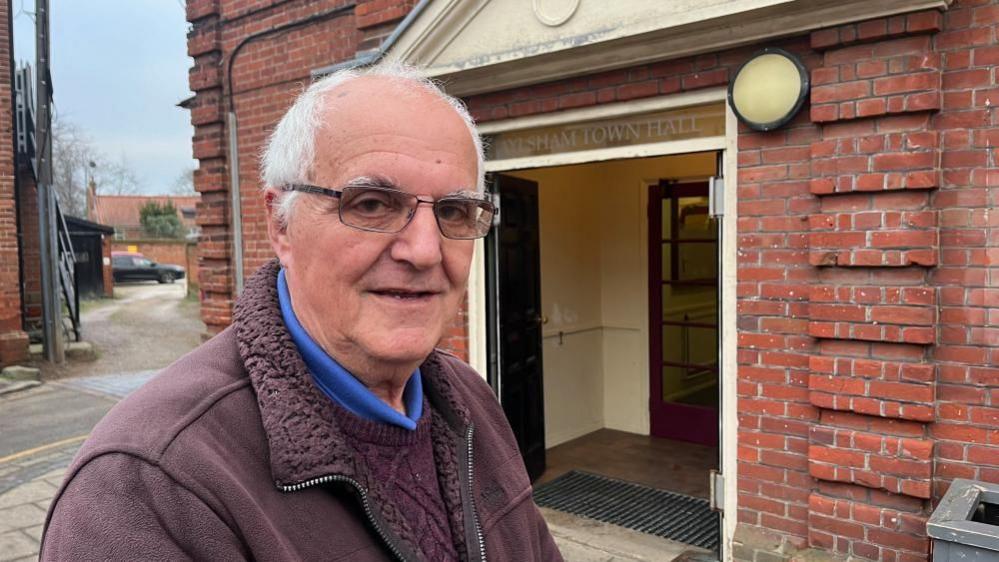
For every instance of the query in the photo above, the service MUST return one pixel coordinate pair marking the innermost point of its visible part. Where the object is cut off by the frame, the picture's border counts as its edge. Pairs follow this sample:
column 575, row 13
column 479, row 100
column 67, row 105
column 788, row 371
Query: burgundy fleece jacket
column 232, row 453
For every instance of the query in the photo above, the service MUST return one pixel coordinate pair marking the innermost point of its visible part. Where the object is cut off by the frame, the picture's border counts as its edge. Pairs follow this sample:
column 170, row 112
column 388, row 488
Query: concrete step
column 75, row 351
column 19, row 373
column 81, row 351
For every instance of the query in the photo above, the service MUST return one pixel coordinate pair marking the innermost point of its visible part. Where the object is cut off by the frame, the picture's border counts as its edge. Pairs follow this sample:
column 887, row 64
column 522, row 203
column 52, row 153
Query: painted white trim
column 729, row 347
column 606, row 111
column 729, row 332
column 502, row 64
column 477, row 353
column 617, row 153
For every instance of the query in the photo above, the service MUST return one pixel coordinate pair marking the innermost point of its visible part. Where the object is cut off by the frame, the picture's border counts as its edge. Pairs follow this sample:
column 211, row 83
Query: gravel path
column 145, row 327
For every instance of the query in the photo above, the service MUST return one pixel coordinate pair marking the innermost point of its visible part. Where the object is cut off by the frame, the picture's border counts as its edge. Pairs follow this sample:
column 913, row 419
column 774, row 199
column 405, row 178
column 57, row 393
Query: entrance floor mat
column 657, row 512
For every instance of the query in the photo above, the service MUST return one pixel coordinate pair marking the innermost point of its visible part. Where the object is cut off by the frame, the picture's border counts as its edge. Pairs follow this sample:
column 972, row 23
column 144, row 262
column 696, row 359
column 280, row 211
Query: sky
column 119, row 68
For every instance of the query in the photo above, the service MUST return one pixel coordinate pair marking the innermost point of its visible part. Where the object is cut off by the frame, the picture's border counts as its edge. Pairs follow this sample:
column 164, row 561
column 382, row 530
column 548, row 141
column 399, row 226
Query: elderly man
column 323, row 424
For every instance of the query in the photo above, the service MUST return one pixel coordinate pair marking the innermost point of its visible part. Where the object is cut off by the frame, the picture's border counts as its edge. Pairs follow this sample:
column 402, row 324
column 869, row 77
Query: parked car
column 130, row 266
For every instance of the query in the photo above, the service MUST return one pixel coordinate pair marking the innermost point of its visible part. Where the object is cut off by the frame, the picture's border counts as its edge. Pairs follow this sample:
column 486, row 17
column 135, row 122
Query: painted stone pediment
column 483, row 45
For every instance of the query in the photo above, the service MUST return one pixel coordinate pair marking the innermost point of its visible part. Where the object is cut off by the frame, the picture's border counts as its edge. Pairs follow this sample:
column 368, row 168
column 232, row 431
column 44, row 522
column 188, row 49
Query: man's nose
column 420, row 242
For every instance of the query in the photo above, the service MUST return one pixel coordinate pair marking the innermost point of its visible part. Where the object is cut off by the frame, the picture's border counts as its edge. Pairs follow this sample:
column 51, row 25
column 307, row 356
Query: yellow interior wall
column 594, row 290
column 569, row 220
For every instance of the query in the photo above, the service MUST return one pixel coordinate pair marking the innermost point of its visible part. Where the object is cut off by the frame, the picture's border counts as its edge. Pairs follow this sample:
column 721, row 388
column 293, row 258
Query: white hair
column 289, row 153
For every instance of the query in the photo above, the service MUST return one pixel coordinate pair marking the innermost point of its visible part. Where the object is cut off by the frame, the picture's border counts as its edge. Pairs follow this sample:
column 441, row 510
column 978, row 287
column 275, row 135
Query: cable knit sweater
column 232, row 453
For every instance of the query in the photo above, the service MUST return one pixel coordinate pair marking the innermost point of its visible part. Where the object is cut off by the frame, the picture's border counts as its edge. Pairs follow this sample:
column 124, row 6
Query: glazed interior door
column 683, row 313
column 514, row 295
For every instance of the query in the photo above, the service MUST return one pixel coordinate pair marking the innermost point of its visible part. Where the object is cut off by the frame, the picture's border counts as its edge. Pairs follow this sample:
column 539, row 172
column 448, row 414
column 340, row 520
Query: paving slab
column 21, row 517
column 15, row 545
column 32, row 492
column 586, row 540
column 118, row 385
column 35, row 532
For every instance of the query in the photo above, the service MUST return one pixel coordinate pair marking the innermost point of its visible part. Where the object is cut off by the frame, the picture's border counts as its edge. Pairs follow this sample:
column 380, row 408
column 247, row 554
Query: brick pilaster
column 13, row 340
column 875, row 239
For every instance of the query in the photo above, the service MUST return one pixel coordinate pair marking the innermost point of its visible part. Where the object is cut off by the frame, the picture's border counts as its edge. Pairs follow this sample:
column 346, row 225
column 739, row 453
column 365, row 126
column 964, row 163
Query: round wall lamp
column 769, row 89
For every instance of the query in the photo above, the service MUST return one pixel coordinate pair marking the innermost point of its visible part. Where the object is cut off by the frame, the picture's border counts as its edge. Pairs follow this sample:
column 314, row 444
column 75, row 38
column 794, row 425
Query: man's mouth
column 404, row 294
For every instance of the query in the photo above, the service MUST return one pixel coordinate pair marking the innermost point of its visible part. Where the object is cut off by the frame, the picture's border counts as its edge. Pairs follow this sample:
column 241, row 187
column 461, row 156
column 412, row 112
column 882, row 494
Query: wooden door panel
column 517, row 288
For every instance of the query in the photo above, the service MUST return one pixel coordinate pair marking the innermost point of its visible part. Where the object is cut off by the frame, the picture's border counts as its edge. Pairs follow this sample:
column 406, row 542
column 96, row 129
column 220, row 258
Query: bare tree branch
column 183, row 184
column 75, row 160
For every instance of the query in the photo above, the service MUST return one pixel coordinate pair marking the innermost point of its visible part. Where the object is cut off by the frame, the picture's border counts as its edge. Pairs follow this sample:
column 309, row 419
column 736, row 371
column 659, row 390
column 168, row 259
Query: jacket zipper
column 364, row 502
column 471, row 494
column 470, row 473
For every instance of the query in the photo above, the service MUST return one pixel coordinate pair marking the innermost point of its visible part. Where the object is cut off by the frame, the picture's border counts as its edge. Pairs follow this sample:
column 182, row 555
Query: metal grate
column 657, row 512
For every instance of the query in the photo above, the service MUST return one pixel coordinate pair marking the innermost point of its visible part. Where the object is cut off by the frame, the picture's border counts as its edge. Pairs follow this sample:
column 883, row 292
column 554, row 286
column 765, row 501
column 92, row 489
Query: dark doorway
column 513, row 290
column 683, row 313
column 88, row 248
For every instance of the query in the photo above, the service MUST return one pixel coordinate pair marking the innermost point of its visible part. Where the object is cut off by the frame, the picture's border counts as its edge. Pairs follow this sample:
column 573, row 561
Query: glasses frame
column 338, row 194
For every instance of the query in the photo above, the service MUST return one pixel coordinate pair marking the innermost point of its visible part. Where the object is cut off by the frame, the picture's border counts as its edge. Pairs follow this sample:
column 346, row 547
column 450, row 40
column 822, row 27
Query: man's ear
column 277, row 230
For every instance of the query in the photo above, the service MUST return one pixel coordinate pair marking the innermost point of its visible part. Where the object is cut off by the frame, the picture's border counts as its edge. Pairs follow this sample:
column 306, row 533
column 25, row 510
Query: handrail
column 67, row 272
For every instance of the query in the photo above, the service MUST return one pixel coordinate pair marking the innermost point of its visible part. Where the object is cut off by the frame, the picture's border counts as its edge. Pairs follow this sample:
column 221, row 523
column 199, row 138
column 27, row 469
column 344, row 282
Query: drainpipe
column 371, row 57
column 236, row 206
column 236, row 211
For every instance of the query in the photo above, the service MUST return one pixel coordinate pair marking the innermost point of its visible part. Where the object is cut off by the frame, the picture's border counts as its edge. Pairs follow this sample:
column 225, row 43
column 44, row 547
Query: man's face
column 371, row 299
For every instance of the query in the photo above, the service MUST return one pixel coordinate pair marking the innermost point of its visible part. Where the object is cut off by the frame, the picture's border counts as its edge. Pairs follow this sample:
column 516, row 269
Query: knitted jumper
column 402, row 468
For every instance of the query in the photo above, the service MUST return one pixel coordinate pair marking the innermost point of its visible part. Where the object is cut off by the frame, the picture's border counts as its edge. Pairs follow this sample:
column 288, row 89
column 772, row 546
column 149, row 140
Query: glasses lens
column 375, row 208
column 464, row 218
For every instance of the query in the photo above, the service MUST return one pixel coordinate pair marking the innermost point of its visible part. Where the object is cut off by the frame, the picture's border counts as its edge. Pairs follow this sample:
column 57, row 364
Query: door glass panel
column 697, row 262
column 684, row 348
column 689, row 301
column 690, row 365
column 692, row 219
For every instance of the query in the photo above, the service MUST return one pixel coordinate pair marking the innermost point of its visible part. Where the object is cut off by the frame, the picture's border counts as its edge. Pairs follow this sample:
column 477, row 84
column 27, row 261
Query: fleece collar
column 302, row 425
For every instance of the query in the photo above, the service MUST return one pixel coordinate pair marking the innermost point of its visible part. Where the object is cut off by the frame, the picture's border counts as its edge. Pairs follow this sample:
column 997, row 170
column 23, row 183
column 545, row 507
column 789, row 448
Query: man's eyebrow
column 466, row 193
column 385, row 181
column 371, row 181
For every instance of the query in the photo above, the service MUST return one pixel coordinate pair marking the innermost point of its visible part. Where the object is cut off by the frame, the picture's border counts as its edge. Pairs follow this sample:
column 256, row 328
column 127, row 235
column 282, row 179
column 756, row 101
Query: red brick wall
column 107, row 272
column 267, row 74
column 865, row 258
column 30, row 249
column 866, row 299
column 13, row 340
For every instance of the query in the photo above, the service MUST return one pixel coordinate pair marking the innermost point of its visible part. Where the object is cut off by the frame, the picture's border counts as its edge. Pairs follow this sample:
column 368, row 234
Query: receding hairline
column 398, row 90
column 339, row 105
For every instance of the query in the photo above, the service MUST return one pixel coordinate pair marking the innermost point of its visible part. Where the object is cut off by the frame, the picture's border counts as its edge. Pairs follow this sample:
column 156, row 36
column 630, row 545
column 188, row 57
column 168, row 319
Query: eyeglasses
column 388, row 210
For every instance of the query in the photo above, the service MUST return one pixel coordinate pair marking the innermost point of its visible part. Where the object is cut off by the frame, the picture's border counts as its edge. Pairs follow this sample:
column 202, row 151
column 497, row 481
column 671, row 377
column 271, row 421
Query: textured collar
column 302, row 425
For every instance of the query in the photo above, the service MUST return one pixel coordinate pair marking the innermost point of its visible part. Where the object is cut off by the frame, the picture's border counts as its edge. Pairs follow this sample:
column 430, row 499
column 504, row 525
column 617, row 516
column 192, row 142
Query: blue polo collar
column 338, row 384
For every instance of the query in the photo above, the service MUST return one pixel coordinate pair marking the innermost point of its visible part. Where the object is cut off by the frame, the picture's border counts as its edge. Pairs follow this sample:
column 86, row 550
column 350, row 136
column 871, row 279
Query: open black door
column 513, row 290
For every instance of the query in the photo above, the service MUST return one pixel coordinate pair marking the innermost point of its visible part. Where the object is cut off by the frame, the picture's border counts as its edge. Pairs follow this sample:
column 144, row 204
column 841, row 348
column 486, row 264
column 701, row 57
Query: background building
column 837, row 323
column 123, row 213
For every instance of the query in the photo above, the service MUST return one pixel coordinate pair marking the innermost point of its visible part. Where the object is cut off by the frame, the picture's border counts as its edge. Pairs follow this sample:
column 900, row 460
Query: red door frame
column 683, row 422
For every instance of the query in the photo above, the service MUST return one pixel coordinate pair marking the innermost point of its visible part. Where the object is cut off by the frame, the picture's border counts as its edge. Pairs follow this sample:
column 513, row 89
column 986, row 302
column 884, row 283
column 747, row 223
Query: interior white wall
column 594, row 290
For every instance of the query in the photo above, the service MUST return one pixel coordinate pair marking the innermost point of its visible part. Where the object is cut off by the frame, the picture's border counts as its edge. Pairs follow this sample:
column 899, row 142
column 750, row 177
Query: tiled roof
column 123, row 210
